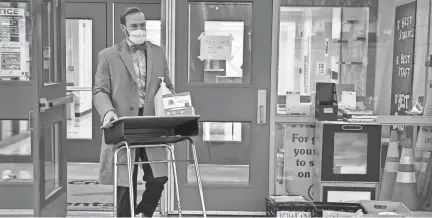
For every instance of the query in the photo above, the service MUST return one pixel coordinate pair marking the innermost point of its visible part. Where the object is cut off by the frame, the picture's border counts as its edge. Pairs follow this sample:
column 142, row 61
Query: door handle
column 352, row 127
column 44, row 104
column 30, row 120
column 261, row 107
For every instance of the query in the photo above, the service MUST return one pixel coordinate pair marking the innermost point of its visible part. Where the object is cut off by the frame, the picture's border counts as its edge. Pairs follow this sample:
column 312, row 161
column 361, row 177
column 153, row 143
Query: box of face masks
column 178, row 104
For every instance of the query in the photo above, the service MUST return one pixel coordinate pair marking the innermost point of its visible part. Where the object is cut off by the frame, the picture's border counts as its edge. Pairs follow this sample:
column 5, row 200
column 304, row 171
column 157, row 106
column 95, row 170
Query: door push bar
column 44, row 104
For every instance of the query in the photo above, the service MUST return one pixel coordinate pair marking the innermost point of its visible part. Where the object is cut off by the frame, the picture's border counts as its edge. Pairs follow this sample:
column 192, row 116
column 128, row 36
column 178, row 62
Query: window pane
column 223, row 154
column 16, row 163
column 50, row 73
column 320, row 44
column 51, row 144
column 220, row 42
column 15, row 41
column 295, row 159
column 359, row 47
column 79, row 77
column 154, row 31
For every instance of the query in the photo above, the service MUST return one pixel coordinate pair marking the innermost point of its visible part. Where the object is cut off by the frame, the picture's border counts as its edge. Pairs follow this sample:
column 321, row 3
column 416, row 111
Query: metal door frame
column 168, row 43
column 43, row 109
column 32, row 107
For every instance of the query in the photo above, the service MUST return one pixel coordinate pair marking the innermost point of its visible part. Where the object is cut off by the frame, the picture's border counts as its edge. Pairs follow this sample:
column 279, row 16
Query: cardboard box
column 385, row 209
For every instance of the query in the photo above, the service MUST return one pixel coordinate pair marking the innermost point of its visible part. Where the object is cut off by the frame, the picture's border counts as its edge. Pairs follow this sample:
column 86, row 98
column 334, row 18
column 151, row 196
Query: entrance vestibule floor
column 108, row 214
column 84, row 193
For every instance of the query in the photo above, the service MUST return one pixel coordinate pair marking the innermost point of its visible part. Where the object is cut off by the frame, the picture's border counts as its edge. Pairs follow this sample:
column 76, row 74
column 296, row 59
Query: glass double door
column 32, row 109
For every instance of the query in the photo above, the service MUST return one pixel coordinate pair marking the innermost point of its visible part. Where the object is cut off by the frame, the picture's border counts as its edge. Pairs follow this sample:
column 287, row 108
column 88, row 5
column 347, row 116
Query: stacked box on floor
column 282, row 206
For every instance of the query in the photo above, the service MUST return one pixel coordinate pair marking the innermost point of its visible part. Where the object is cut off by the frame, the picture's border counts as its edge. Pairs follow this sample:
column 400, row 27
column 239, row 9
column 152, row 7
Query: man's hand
column 109, row 116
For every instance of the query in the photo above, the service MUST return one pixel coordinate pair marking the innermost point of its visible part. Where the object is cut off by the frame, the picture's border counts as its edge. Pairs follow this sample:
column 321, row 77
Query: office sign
column 403, row 58
column 403, row 65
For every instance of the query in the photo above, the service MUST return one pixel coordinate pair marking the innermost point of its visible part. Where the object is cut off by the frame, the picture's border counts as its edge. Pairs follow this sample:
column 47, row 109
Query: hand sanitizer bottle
column 158, row 102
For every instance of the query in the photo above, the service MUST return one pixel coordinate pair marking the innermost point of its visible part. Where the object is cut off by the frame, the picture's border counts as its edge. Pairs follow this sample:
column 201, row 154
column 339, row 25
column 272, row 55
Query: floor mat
column 84, row 191
column 90, row 195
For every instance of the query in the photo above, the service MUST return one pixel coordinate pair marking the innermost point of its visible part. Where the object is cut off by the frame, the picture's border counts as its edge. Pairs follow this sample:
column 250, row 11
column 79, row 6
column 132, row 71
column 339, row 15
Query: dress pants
column 152, row 193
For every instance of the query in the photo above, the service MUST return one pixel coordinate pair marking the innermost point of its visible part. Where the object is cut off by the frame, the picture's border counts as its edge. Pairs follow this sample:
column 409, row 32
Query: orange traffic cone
column 417, row 162
column 390, row 169
column 405, row 190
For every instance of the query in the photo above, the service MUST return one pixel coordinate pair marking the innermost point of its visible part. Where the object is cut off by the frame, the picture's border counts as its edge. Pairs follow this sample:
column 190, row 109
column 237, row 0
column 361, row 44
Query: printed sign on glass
column 403, row 65
column 13, row 45
column 215, row 47
column 299, row 159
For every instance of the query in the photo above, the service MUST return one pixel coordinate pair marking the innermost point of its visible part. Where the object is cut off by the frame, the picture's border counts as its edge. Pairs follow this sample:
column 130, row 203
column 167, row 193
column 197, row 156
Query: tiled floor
column 85, row 193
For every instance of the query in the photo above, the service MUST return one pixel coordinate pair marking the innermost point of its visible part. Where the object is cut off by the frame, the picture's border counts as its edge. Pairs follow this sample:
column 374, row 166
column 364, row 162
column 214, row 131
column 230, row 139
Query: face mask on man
column 137, row 36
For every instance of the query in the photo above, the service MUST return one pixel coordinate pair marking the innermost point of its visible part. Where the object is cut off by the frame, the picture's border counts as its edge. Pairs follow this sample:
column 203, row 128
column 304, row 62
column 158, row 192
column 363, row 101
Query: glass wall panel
column 298, row 158
column 15, row 151
column 79, row 77
column 320, row 45
column 377, row 55
column 16, row 162
column 295, row 159
column 374, row 51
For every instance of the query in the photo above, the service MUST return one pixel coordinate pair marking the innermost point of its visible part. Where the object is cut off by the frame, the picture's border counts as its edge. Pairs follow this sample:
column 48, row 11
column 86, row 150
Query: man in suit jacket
column 126, row 82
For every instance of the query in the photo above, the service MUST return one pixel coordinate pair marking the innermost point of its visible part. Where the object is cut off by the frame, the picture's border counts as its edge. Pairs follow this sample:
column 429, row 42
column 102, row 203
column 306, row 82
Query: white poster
column 13, row 47
column 299, row 159
column 215, row 47
column 12, row 60
column 12, row 25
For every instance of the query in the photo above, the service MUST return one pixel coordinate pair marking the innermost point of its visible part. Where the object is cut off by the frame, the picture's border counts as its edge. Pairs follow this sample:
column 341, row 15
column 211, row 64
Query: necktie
column 141, row 47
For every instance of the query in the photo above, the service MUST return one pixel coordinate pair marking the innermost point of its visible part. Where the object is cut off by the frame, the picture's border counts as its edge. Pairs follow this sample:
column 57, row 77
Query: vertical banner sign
column 299, row 160
column 403, row 62
column 12, row 42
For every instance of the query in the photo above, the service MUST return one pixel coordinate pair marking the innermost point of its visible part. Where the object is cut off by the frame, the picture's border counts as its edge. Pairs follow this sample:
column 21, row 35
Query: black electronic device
column 326, row 105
